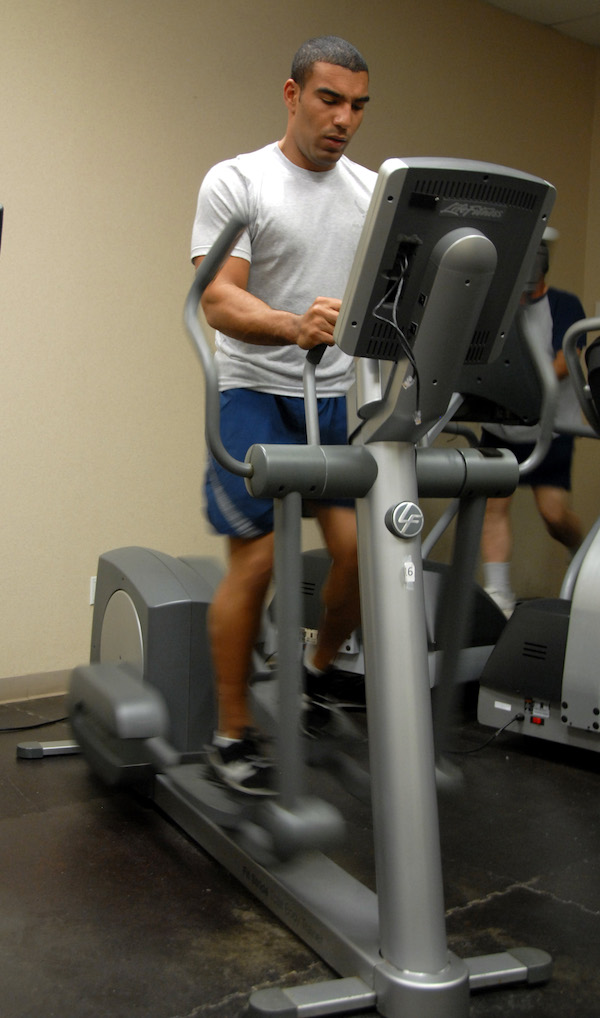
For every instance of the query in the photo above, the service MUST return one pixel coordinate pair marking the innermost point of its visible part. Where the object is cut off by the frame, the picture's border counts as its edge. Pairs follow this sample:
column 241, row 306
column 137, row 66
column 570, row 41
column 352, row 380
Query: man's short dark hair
column 329, row 49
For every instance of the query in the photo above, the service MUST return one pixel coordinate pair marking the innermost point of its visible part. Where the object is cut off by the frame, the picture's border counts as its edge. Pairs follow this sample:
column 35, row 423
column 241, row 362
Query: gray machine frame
column 543, row 672
column 390, row 949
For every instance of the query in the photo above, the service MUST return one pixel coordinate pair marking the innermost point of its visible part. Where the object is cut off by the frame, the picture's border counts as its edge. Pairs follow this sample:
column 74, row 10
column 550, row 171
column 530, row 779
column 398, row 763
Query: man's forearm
column 243, row 316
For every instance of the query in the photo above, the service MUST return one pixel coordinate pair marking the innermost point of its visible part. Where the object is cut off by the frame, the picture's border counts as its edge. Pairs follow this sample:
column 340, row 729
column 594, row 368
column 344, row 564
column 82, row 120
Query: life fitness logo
column 471, row 210
column 405, row 520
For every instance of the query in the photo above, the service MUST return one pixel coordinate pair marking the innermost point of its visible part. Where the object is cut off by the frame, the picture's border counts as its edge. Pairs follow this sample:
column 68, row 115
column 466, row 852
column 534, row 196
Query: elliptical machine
column 543, row 671
column 437, row 277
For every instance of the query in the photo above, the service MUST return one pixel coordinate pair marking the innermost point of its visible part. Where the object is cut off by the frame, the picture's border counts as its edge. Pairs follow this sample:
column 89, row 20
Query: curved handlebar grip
column 576, row 375
column 207, row 270
column 311, row 411
column 315, row 355
column 548, row 382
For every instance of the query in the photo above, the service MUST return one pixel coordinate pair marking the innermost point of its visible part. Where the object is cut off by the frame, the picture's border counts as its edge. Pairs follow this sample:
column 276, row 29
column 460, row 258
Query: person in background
column 278, row 296
column 552, row 312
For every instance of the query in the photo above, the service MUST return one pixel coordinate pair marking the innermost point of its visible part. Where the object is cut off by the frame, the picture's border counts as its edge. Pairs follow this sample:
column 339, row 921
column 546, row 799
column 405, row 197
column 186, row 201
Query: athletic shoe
column 346, row 688
column 506, row 602
column 325, row 719
column 242, row 767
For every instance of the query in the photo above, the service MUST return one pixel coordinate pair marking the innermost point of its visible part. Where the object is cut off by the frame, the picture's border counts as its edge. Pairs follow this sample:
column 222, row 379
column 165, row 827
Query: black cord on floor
column 477, row 749
column 28, row 728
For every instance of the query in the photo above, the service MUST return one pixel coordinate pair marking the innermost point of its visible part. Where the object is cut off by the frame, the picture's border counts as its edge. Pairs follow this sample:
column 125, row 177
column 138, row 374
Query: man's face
column 324, row 115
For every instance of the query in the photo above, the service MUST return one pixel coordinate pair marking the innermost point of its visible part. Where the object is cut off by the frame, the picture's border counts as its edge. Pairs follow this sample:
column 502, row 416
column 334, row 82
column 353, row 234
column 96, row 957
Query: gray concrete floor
column 107, row 909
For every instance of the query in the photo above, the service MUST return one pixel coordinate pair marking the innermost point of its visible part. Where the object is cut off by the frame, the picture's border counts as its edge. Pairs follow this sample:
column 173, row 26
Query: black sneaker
column 346, row 688
column 242, row 767
column 325, row 719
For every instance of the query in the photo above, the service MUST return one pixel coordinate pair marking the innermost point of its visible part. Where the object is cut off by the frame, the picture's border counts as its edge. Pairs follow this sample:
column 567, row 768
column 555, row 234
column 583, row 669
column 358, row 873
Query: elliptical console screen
column 414, row 204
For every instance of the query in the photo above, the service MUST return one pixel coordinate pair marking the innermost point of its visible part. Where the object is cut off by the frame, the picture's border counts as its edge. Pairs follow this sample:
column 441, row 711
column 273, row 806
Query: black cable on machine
column 28, row 728
column 477, row 749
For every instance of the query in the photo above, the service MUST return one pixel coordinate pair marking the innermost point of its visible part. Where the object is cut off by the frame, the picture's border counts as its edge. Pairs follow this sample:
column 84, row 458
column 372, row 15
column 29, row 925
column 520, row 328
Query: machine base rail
column 519, row 965
column 351, row 995
column 337, row 916
column 36, row 750
column 335, row 996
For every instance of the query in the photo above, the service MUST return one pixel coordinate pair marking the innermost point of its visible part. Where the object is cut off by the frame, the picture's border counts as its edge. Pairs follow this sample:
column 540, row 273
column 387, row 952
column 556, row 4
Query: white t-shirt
column 303, row 229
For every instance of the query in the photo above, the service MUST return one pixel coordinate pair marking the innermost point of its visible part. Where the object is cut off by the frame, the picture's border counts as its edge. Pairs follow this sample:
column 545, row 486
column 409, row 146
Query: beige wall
column 111, row 112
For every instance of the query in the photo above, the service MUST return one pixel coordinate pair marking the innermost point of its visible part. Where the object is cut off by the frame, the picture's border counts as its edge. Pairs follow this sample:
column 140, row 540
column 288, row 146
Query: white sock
column 496, row 576
column 222, row 741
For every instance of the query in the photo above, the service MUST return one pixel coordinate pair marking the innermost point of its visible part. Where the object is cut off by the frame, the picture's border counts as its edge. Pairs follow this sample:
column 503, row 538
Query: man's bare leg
column 496, row 553
column 561, row 522
column 496, row 536
column 340, row 595
column 234, row 624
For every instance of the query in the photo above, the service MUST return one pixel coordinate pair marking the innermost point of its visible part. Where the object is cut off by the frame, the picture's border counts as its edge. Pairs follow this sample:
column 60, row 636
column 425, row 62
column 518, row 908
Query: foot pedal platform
column 197, row 785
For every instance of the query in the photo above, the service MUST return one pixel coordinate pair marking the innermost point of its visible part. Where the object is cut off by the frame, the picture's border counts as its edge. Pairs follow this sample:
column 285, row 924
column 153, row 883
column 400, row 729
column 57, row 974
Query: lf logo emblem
column 405, row 520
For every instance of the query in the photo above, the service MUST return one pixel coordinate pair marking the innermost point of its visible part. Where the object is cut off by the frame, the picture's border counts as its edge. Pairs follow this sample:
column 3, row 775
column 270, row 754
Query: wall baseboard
column 31, row 687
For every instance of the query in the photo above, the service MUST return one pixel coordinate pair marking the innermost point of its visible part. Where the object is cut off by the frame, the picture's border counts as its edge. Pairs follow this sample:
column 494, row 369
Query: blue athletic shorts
column 248, row 418
column 555, row 469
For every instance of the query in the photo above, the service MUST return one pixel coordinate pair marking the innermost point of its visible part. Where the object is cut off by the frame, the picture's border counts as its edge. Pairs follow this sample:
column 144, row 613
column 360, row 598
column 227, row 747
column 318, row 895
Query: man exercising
column 304, row 202
column 554, row 311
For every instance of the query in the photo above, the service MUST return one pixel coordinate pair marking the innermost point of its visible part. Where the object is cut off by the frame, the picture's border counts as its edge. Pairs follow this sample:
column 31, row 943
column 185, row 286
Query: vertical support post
column 455, row 611
column 288, row 516
column 405, row 816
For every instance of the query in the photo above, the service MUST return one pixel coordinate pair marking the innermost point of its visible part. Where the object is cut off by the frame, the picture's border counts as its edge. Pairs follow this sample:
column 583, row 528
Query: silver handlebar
column 578, row 379
column 207, row 270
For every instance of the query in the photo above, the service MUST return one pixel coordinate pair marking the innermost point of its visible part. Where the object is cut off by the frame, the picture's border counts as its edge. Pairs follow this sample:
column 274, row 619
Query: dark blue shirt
column 566, row 309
